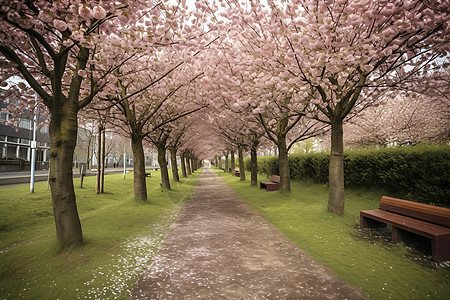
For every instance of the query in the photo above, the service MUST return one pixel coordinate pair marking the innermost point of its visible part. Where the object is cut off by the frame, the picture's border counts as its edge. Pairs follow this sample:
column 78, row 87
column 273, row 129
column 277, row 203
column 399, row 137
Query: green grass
column 121, row 236
column 364, row 260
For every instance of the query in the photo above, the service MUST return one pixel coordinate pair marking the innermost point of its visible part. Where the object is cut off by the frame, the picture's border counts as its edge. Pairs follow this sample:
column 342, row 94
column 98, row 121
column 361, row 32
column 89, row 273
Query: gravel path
column 220, row 249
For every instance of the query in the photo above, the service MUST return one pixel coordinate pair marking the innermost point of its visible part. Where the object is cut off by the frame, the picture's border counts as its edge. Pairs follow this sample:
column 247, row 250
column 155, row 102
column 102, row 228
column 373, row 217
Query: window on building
column 23, row 152
column 13, row 139
column 24, row 123
column 25, row 141
column 10, row 151
column 44, row 129
column 4, row 116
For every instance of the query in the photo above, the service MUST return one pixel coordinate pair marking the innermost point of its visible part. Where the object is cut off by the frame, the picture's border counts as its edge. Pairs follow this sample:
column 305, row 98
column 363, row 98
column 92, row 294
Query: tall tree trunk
column 140, row 185
column 253, row 166
column 88, row 157
column 63, row 137
column 102, row 171
column 232, row 162
column 241, row 163
column 183, row 164
column 165, row 183
column 188, row 164
column 99, row 160
column 173, row 159
column 226, row 161
column 336, row 171
column 283, row 165
column 191, row 162
column 219, row 161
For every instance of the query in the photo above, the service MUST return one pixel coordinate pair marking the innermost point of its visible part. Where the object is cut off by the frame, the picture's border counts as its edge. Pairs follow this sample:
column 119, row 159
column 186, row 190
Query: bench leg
column 396, row 235
column 440, row 248
column 365, row 222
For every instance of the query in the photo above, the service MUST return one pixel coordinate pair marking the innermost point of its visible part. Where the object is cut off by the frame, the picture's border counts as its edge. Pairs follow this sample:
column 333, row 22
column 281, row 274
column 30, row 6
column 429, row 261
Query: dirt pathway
column 220, row 249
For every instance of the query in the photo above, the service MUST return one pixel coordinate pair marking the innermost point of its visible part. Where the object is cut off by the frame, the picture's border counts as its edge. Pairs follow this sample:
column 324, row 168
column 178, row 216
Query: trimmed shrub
column 417, row 173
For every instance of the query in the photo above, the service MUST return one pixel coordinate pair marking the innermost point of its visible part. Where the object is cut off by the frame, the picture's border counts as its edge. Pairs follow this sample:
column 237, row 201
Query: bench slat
column 409, row 224
column 421, row 211
column 275, row 178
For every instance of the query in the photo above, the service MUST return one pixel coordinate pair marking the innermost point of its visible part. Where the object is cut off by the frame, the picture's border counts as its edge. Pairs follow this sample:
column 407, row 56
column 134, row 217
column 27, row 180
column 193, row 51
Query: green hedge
column 418, row 173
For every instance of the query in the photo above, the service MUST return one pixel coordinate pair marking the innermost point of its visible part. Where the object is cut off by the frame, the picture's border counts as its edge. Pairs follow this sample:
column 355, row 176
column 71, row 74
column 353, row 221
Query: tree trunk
column 226, row 161
column 183, row 164
column 165, row 183
column 63, row 136
column 241, row 163
column 188, row 165
column 88, row 156
column 232, row 162
column 173, row 159
column 140, row 185
column 336, row 170
column 99, row 159
column 283, row 165
column 253, row 166
column 191, row 162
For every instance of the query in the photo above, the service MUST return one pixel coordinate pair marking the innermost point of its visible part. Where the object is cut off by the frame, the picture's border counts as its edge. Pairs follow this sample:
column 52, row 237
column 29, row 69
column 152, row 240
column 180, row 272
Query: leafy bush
column 418, row 173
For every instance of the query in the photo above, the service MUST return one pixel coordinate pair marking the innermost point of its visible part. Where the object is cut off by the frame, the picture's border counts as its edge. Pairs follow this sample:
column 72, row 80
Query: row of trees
column 228, row 75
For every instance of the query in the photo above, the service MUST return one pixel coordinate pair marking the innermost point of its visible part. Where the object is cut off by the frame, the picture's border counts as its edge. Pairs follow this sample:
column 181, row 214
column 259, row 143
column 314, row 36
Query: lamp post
column 33, row 147
column 124, row 165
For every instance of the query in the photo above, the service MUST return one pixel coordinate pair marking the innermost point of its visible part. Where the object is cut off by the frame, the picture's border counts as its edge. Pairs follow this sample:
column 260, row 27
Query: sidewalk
column 23, row 177
column 220, row 249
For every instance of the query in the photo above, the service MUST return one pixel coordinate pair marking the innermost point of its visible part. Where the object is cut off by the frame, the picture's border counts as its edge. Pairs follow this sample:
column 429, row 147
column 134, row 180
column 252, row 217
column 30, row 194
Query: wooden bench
column 432, row 222
column 237, row 173
column 272, row 185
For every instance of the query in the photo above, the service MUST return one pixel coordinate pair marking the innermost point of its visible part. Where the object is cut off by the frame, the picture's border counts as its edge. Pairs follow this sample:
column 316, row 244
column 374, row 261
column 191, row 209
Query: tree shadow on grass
column 418, row 248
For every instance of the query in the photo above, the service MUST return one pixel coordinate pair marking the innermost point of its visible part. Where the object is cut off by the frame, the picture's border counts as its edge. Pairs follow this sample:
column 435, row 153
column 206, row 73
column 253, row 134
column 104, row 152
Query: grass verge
column 362, row 259
column 121, row 236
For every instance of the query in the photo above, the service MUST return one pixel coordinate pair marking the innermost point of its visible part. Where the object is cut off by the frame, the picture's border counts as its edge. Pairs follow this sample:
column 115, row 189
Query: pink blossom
column 84, row 12
column 60, row 25
column 82, row 73
column 98, row 12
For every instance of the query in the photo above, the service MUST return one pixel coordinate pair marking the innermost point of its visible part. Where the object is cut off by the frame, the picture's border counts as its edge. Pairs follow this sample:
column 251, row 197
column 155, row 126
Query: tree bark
column 283, row 165
column 191, row 162
column 232, row 162
column 63, row 136
column 188, row 164
column 165, row 183
column 253, row 167
column 241, row 163
column 336, row 195
column 173, row 160
column 140, row 185
column 183, row 164
column 226, row 161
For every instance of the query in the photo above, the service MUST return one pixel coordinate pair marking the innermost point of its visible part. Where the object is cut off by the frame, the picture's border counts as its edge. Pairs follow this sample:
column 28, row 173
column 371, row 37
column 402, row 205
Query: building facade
column 15, row 141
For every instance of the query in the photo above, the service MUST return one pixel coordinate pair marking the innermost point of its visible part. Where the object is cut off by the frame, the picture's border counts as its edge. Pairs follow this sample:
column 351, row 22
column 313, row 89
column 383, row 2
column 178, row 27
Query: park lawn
column 364, row 260
column 121, row 236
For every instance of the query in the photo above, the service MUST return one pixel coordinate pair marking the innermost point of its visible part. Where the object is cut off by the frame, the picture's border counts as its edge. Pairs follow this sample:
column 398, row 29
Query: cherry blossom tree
column 338, row 55
column 249, row 86
column 344, row 50
column 56, row 47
